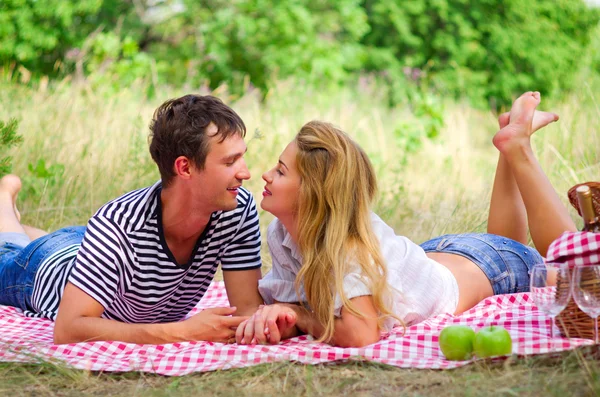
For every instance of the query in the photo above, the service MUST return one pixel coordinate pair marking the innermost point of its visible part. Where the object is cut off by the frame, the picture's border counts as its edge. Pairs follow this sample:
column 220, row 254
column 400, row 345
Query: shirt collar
column 289, row 243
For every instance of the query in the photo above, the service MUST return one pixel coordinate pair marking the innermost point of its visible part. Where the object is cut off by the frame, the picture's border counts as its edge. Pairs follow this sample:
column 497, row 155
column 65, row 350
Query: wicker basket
column 572, row 322
column 594, row 187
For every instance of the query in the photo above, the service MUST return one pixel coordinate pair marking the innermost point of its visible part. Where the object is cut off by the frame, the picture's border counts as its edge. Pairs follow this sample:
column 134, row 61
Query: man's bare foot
column 10, row 185
column 518, row 131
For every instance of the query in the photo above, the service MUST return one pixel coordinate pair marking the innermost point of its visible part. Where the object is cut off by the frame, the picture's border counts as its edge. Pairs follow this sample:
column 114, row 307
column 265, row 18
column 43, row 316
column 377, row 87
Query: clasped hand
column 214, row 325
column 270, row 324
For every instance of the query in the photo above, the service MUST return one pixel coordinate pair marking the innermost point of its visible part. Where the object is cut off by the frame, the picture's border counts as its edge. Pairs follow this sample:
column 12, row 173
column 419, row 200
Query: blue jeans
column 505, row 262
column 19, row 265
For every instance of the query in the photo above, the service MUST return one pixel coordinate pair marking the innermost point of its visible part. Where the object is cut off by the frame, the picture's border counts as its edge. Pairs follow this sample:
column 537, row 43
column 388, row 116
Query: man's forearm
column 86, row 329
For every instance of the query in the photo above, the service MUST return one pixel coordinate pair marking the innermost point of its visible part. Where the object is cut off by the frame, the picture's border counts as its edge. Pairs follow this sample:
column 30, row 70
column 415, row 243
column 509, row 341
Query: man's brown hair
column 178, row 128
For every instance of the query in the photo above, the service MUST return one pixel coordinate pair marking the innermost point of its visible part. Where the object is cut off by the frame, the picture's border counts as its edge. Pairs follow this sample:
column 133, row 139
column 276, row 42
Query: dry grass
column 533, row 376
column 442, row 188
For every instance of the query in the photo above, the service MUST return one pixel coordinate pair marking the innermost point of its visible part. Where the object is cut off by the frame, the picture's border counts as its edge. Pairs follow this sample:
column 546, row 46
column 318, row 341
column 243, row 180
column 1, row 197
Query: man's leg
column 507, row 216
column 10, row 219
column 547, row 216
column 34, row 232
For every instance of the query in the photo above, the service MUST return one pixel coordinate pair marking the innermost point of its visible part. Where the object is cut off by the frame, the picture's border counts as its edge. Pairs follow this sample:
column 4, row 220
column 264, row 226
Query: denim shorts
column 18, row 264
column 505, row 262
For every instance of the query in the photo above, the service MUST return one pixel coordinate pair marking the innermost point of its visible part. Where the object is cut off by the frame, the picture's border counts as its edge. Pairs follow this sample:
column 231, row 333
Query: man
column 146, row 258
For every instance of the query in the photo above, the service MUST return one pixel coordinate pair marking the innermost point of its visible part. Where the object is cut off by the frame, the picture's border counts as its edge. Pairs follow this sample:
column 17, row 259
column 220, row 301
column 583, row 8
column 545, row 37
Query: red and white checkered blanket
column 25, row 339
column 575, row 249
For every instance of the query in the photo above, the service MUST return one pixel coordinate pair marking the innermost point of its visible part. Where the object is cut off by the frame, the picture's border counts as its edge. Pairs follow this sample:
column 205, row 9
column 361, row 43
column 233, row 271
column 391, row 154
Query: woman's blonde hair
column 335, row 234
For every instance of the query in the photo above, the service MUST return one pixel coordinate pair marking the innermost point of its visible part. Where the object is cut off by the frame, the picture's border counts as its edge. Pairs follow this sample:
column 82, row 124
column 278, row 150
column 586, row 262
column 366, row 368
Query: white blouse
column 421, row 287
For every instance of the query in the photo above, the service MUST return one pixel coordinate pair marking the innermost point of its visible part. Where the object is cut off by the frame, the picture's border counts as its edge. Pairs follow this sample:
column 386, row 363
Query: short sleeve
column 279, row 285
column 355, row 285
column 243, row 251
column 98, row 265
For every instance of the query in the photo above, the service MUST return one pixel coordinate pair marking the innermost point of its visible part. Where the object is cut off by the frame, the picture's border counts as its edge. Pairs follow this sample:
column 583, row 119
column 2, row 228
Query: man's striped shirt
column 125, row 264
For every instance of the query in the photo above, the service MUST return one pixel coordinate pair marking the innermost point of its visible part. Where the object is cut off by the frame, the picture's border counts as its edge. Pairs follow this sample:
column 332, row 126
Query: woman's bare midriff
column 473, row 284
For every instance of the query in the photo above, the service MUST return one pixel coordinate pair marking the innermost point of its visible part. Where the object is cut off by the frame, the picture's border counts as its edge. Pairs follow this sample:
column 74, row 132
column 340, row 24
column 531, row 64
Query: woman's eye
column 279, row 172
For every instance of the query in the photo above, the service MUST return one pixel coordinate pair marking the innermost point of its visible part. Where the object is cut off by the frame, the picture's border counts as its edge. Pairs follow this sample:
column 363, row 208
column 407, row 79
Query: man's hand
column 213, row 325
column 270, row 324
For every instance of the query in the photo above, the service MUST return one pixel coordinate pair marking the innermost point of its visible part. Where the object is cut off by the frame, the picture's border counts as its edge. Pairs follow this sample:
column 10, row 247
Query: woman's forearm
column 349, row 330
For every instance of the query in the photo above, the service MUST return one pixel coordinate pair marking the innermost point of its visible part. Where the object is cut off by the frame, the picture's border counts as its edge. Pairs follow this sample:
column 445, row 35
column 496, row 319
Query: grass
column 93, row 148
column 531, row 376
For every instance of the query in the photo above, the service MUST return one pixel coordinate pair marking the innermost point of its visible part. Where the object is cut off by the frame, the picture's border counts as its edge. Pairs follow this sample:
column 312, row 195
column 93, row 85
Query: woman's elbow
column 62, row 334
column 59, row 338
column 359, row 339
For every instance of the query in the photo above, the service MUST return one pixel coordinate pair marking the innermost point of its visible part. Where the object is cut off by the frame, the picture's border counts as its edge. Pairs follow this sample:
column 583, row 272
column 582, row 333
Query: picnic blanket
column 575, row 249
column 24, row 339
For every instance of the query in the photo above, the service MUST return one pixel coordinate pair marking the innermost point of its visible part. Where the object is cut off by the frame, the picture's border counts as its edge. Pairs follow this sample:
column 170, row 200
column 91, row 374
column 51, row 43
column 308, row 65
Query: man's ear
column 182, row 167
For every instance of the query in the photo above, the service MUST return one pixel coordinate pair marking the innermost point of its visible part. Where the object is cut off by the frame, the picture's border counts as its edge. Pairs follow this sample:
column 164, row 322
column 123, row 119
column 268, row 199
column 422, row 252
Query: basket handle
column 594, row 187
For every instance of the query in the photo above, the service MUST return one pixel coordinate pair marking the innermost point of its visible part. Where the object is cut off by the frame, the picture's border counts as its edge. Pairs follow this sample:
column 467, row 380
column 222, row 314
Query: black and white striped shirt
column 124, row 262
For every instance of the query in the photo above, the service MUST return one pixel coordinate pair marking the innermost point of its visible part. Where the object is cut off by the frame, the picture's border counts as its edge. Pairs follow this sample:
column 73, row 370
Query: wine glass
column 586, row 292
column 547, row 297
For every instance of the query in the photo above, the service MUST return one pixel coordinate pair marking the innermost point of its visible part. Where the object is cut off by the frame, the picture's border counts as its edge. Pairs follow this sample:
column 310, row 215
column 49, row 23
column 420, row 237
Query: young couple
column 339, row 272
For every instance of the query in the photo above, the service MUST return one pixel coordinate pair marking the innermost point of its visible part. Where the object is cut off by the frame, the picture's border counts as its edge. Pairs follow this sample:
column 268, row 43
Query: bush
column 486, row 49
column 263, row 40
column 38, row 34
column 8, row 139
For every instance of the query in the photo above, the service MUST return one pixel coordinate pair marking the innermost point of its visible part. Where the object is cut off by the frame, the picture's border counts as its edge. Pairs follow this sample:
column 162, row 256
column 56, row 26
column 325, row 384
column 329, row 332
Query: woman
column 341, row 274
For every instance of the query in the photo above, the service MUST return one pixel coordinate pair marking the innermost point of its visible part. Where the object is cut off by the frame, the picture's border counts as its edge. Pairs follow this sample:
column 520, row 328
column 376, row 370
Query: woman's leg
column 547, row 216
column 507, row 216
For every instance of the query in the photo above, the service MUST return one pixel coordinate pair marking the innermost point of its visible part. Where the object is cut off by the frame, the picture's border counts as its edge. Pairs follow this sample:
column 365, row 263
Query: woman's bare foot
column 540, row 119
column 518, row 131
column 10, row 185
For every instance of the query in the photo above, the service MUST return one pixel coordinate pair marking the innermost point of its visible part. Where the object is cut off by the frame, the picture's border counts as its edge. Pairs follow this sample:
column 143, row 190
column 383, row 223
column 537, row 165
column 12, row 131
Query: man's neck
column 180, row 220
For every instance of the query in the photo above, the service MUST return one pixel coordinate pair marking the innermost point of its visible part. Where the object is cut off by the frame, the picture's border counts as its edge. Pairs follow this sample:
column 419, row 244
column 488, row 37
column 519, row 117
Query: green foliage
column 488, row 49
column 37, row 34
column 41, row 180
column 8, row 139
column 263, row 40
column 429, row 120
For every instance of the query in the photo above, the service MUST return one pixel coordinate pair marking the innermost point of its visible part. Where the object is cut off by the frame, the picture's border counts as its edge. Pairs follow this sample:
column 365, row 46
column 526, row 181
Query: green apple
column 492, row 341
column 456, row 342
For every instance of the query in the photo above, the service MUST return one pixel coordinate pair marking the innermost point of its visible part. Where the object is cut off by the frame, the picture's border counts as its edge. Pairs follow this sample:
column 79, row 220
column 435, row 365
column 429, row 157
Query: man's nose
column 243, row 173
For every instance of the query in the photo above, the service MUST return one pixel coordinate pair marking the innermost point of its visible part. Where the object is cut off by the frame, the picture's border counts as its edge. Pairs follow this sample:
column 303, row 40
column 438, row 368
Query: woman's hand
column 270, row 324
